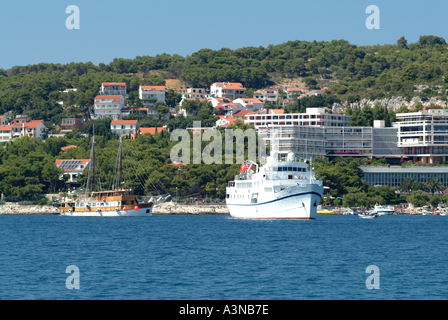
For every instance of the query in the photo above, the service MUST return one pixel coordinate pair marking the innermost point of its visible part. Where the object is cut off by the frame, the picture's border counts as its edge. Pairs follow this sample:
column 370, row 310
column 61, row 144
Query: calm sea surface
column 217, row 257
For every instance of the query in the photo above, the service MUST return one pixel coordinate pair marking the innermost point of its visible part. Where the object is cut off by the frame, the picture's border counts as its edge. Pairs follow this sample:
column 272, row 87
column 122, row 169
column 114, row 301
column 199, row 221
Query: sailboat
column 119, row 202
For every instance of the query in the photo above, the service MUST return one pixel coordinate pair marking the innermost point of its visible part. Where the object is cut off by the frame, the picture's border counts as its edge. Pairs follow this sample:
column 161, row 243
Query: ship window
column 280, row 169
column 290, row 169
column 299, row 169
column 294, row 169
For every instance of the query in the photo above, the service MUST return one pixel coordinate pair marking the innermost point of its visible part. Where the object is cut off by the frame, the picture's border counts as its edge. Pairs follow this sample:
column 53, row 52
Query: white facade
column 113, row 88
column 5, row 133
column 424, row 135
column 151, row 94
column 194, row 90
column 230, row 90
column 313, row 117
column 250, row 103
column 108, row 106
column 122, row 127
column 33, row 129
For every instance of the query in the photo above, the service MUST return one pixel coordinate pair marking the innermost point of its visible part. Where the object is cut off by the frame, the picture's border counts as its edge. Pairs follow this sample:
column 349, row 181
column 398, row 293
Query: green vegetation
column 350, row 72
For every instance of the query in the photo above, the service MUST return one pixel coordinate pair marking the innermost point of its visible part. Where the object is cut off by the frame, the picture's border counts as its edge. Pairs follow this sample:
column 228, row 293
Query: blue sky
column 34, row 31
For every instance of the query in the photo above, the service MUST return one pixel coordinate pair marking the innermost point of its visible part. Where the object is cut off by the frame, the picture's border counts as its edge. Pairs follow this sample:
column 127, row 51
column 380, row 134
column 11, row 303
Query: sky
column 35, row 31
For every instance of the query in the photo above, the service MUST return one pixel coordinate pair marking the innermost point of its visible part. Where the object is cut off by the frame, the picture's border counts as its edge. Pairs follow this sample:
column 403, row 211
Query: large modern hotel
column 419, row 137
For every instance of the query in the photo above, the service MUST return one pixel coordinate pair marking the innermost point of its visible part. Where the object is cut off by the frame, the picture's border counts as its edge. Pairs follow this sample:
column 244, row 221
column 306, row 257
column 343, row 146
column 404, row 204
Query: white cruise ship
column 276, row 190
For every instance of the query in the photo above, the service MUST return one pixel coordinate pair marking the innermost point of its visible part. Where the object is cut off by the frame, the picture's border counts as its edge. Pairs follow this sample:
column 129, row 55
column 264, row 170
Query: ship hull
column 294, row 203
column 141, row 212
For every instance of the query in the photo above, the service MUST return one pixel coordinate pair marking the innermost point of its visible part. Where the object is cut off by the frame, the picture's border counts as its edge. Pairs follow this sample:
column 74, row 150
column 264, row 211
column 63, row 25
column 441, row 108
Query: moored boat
column 276, row 190
column 121, row 202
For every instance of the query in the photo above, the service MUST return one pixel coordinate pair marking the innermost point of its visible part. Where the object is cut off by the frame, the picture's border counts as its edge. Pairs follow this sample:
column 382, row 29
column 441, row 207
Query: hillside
column 350, row 72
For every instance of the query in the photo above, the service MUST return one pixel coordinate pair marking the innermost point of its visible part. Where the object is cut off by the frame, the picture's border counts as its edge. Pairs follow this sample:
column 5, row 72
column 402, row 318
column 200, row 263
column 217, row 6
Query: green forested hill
column 350, row 72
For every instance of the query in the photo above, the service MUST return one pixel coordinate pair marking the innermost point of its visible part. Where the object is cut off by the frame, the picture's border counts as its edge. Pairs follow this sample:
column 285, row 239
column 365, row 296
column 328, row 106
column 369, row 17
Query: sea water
column 218, row 257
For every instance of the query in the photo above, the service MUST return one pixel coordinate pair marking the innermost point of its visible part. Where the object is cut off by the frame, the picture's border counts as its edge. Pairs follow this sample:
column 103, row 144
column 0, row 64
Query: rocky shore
column 182, row 209
column 168, row 208
column 12, row 208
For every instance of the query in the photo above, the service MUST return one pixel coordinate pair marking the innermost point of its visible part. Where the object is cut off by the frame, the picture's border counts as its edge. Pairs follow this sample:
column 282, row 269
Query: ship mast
column 121, row 162
column 93, row 157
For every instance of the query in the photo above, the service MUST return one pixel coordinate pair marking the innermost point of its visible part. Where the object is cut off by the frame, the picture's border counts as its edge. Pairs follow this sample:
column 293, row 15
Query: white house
column 122, row 127
column 225, row 121
column 5, row 133
column 194, row 90
column 33, row 128
column 151, row 94
column 73, row 168
column 250, row 103
column 230, row 108
column 268, row 94
column 230, row 90
column 108, row 106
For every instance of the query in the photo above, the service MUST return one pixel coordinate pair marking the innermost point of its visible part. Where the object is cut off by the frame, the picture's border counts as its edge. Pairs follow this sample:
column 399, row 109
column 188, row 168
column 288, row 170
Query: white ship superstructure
column 276, row 190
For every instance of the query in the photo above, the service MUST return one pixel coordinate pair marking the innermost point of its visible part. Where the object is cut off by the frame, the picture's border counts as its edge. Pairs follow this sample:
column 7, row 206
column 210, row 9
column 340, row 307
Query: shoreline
column 163, row 209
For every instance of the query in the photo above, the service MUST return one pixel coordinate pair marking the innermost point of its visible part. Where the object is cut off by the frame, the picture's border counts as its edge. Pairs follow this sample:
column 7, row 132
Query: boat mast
column 121, row 162
column 93, row 157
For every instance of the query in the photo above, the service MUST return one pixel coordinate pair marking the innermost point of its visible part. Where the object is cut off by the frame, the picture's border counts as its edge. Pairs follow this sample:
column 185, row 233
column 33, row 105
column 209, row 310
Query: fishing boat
column 276, row 190
column 117, row 202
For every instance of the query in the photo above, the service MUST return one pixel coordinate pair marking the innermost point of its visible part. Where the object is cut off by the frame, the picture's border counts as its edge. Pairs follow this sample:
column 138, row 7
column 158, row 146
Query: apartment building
column 122, row 127
column 113, row 89
column 313, row 117
column 151, row 94
column 108, row 106
column 424, row 135
column 229, row 90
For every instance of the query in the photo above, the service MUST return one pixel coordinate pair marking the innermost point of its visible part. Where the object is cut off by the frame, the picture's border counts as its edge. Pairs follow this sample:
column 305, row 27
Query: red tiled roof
column 156, row 88
column 231, row 85
column 278, row 111
column 228, row 118
column 249, row 100
column 178, row 164
column 32, row 124
column 5, row 128
column 108, row 84
column 151, row 130
column 108, row 97
column 243, row 113
column 69, row 147
column 124, row 122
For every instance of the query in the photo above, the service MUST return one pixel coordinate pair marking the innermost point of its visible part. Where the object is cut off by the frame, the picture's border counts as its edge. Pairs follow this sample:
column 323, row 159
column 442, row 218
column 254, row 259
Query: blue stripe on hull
column 279, row 199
